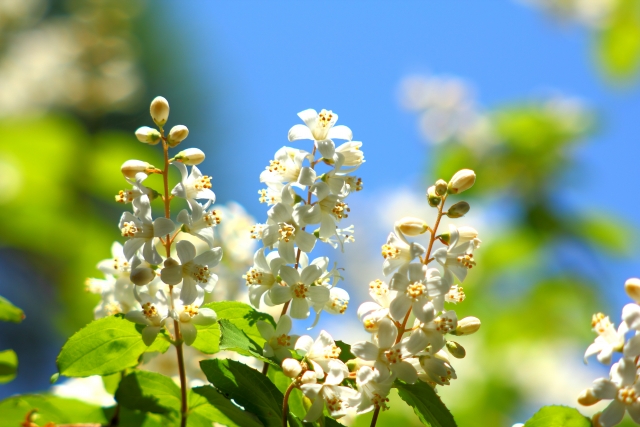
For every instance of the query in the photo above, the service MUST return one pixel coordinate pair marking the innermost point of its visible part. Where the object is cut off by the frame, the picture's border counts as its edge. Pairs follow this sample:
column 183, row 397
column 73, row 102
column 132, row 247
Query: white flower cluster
column 622, row 387
column 151, row 288
column 282, row 272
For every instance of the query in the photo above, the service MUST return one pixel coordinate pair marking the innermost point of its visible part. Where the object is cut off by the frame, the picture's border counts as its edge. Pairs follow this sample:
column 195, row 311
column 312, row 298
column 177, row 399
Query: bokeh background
column 539, row 97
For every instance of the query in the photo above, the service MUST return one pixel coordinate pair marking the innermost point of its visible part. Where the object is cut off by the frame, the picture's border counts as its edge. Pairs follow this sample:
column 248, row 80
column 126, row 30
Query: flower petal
column 298, row 132
column 186, row 251
column 189, row 332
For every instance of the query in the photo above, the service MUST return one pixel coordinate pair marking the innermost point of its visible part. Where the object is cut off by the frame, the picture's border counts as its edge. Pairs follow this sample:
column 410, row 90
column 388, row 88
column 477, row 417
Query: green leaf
column 208, row 338
column 426, row 404
column 242, row 316
column 130, row 418
column 618, row 44
column 234, row 339
column 247, row 387
column 8, row 366
column 149, row 392
column 53, row 409
column 207, row 405
column 282, row 382
column 558, row 416
column 603, row 232
column 105, row 346
column 9, row 312
column 111, row 382
column 345, row 351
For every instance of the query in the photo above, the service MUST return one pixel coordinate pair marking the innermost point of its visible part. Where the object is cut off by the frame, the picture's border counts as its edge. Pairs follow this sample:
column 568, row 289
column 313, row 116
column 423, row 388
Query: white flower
column 458, row 257
column 372, row 390
column 338, row 301
column 193, row 186
column 153, row 315
column 331, row 393
column 342, row 236
column 282, row 229
column 321, row 353
column 262, row 276
column 287, row 168
column 200, row 222
column 319, row 127
column 389, row 357
column 189, row 315
column 299, row 290
column 142, row 232
column 371, row 313
column 608, row 339
column 413, row 292
column 436, row 369
column 623, row 389
column 397, row 253
column 279, row 342
column 193, row 270
column 432, row 331
column 353, row 156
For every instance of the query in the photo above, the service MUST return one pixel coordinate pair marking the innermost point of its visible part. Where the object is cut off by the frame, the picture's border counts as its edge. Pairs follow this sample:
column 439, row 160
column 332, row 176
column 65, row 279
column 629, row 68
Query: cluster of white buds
column 171, row 285
column 307, row 205
column 622, row 387
column 415, row 291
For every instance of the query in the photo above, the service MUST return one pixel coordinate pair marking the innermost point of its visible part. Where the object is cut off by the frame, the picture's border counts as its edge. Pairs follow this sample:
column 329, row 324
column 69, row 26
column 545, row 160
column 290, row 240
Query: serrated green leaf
column 426, row 404
column 50, row 408
column 149, row 392
column 208, row 338
column 345, row 351
column 558, row 416
column 8, row 365
column 105, row 346
column 242, row 316
column 234, row 339
column 247, row 387
column 207, row 405
column 9, row 312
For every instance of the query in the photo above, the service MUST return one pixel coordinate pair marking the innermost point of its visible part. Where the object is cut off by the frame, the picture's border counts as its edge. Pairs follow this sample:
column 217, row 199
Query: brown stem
column 285, row 403
column 265, row 368
column 374, row 420
column 183, row 377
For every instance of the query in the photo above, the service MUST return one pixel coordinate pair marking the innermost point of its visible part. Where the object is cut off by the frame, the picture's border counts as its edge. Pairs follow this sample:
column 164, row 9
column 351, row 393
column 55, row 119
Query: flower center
column 340, row 210
column 286, row 231
column 256, row 231
column 628, row 396
column 601, row 323
column 112, row 308
column 125, row 196
column 379, row 401
column 323, row 124
column 150, row 312
column 415, row 290
column 265, row 197
column 121, row 266
column 129, row 229
column 334, row 404
column 444, row 325
column 283, row 340
column 211, row 218
column 389, row 251
column 467, row 260
column 200, row 273
column 393, row 355
column 300, row 290
column 339, row 304
column 188, row 312
column 253, row 277
column 378, row 288
column 204, row 182
column 354, row 182
column 455, row 294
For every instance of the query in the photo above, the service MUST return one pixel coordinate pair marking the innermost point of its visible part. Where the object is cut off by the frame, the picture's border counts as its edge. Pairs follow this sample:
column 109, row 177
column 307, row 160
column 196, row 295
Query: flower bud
column 467, row 326
column 632, row 287
column 458, row 210
column 177, row 134
column 291, row 367
column 433, row 198
column 190, row 156
column 411, row 226
column 131, row 167
column 461, row 181
column 441, row 187
column 148, row 135
column 159, row 110
column 142, row 276
column 456, row 349
column 309, row 377
column 586, row 398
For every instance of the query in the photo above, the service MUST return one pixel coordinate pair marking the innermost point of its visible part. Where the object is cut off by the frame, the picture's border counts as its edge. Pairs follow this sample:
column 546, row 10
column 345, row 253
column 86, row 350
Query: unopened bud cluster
column 622, row 386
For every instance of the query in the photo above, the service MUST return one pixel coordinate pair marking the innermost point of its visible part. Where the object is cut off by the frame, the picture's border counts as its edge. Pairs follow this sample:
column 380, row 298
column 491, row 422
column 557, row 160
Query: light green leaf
column 111, row 382
column 618, row 44
column 149, row 392
column 296, row 398
column 247, row 387
column 53, row 409
column 345, row 351
column 426, row 404
column 8, row 366
column 207, row 405
column 130, row 418
column 105, row 346
column 234, row 339
column 208, row 338
column 558, row 416
column 243, row 316
column 9, row 312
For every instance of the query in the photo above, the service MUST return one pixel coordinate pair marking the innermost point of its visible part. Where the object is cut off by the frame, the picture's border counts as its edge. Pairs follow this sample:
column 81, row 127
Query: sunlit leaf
column 9, row 312
column 149, row 392
column 558, row 416
column 53, row 409
column 207, row 405
column 8, row 366
column 426, row 404
column 618, row 44
column 242, row 316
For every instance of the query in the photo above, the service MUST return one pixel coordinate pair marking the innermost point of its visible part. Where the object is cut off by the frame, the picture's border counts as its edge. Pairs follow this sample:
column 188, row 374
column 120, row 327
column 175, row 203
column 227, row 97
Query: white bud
column 441, row 187
column 461, row 181
column 466, row 234
column 291, row 367
column 456, row 350
column 467, row 326
column 148, row 135
column 353, row 156
column 632, row 287
column 142, row 276
column 586, row 398
column 412, row 226
column 159, row 110
column 432, row 197
column 131, row 167
column 177, row 134
column 190, row 156
column 309, row 377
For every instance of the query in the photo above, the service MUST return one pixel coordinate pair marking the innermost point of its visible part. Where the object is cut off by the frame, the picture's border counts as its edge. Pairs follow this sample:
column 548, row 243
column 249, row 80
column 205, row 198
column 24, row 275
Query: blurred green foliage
column 617, row 45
